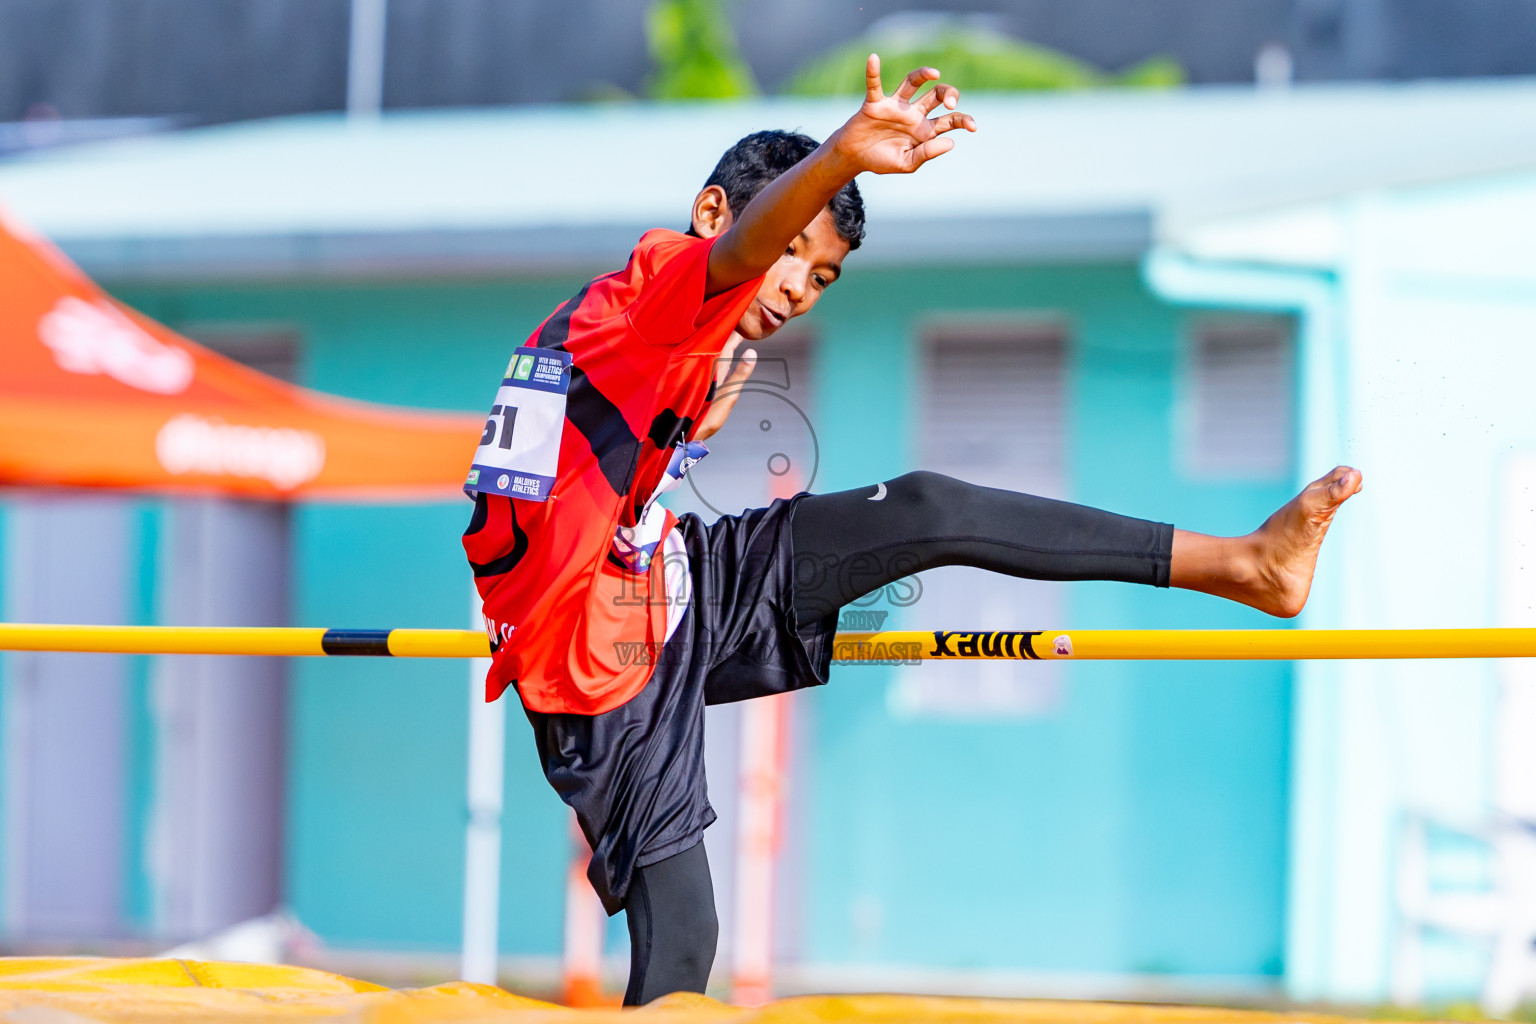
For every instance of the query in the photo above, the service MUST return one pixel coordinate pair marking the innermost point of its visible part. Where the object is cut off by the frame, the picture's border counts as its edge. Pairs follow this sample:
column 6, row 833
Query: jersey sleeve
column 671, row 305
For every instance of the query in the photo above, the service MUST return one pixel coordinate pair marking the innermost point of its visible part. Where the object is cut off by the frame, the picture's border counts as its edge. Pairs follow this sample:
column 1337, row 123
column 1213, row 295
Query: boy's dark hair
column 749, row 165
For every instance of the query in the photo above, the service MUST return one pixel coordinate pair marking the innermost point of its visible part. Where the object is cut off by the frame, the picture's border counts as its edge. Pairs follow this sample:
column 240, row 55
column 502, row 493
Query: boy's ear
column 711, row 212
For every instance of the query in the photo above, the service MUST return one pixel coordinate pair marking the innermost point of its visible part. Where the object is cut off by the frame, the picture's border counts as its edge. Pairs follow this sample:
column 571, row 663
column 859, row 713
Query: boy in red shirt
column 606, row 407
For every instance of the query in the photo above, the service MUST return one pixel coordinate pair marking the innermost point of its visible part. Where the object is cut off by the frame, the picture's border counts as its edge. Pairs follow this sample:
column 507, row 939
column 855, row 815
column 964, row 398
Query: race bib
column 519, row 452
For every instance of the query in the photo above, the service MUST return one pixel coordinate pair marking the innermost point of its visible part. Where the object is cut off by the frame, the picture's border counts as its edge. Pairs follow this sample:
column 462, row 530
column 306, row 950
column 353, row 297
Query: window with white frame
column 992, row 412
column 1239, row 396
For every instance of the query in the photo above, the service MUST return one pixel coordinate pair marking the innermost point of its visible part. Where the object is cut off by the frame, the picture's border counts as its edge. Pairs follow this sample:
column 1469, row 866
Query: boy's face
column 793, row 284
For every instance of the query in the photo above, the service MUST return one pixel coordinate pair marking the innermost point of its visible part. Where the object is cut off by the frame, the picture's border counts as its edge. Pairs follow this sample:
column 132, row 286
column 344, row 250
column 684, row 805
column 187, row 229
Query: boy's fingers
column 874, row 92
column 724, row 359
column 726, row 394
column 914, row 81
column 744, row 368
column 730, row 388
column 949, row 122
column 940, row 93
column 930, row 149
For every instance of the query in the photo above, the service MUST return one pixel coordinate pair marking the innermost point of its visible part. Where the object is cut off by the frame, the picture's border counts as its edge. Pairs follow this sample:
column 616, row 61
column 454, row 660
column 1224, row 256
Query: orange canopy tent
column 93, row 394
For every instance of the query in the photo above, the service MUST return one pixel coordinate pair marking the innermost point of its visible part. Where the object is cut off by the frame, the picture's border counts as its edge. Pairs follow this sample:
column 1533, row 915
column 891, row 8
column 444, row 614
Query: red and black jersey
column 643, row 342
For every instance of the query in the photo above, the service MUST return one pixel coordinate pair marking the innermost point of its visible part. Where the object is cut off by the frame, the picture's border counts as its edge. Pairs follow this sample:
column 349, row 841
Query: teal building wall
column 1139, row 828
column 1142, row 827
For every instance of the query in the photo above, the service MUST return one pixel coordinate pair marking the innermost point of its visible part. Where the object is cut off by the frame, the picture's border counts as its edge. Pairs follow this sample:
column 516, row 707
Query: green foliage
column 694, row 49
column 972, row 60
column 1153, row 73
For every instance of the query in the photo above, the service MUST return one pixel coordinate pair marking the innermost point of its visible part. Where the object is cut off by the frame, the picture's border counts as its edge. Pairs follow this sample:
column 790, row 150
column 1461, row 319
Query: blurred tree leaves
column 972, row 55
column 694, row 49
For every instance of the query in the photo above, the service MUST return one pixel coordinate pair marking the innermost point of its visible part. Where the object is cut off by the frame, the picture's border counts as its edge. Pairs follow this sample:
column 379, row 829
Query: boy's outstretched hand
column 889, row 135
column 894, row 134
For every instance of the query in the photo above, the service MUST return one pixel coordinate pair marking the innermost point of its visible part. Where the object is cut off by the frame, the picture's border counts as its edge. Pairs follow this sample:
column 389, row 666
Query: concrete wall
column 1417, row 309
column 1139, row 829
column 1437, row 292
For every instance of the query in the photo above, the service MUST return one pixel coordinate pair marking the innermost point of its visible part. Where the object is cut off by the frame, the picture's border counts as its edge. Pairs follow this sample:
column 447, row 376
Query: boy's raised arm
column 889, row 135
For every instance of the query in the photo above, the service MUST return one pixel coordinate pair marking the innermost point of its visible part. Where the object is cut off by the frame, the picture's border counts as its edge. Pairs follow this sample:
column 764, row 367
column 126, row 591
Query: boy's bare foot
column 1271, row 568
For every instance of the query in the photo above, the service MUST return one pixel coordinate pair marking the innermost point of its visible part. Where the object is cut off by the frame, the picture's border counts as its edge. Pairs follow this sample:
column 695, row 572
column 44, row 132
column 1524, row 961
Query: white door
column 68, row 559
column 221, row 722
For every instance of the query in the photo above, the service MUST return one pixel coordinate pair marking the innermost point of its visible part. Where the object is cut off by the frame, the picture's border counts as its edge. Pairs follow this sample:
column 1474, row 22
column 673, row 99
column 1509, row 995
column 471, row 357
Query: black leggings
column 848, row 545
column 852, row 543
column 670, row 911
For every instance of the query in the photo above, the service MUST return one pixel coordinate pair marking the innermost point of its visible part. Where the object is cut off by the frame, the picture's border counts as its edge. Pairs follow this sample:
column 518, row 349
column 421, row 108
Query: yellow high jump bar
column 891, row 646
column 1186, row 644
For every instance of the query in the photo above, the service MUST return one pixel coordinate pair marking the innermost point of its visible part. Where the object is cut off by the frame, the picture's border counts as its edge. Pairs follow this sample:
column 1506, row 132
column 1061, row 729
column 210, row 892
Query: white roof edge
column 523, row 190
column 1101, row 236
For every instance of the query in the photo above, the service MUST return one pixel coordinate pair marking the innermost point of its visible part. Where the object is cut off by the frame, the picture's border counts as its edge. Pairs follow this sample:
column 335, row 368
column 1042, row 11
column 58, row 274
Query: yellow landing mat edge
column 88, row 990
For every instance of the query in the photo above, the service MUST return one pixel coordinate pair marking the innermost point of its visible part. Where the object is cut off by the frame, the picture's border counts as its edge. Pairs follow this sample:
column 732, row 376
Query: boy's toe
column 1343, row 482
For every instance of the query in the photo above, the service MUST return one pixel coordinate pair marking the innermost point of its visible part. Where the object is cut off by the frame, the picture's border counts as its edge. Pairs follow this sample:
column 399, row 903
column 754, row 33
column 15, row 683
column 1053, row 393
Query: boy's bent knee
column 691, row 930
column 689, row 943
column 927, row 492
column 679, row 954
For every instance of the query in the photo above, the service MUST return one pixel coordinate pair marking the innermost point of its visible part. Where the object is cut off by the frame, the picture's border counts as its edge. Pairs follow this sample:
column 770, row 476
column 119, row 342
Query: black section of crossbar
column 364, row 642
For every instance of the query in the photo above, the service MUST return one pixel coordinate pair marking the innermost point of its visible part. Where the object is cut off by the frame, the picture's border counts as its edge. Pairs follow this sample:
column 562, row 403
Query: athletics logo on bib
column 519, row 452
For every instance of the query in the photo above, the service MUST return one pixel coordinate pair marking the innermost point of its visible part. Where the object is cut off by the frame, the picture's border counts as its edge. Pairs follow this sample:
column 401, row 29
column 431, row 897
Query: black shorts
column 635, row 775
